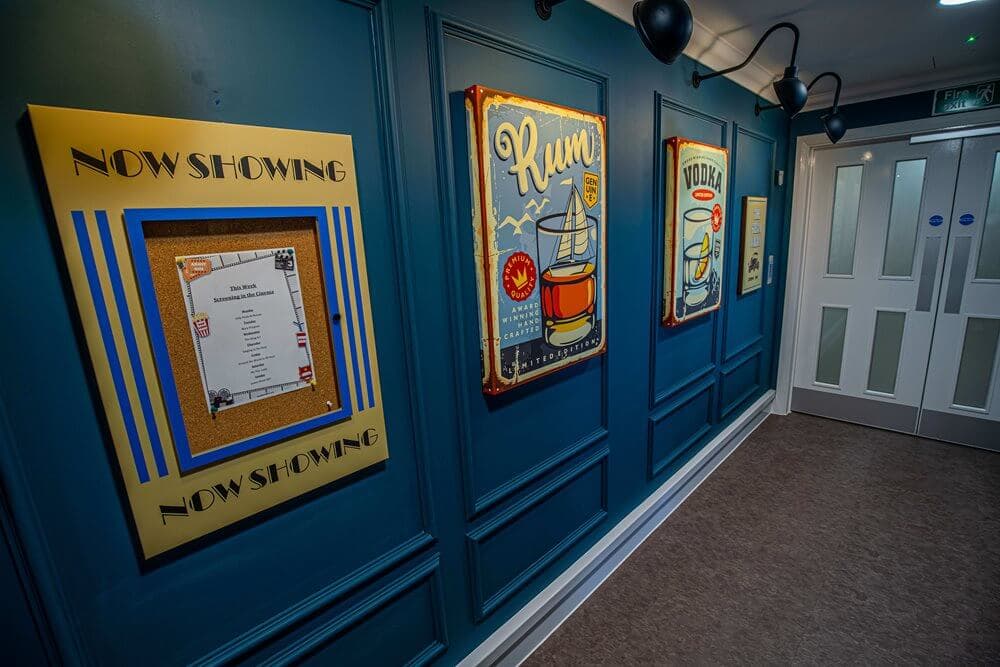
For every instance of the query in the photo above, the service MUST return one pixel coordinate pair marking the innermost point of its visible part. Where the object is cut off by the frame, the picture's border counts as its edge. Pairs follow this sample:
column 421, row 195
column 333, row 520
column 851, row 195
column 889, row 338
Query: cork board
column 167, row 240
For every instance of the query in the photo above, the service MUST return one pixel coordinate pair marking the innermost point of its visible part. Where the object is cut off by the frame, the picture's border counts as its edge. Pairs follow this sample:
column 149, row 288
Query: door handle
column 956, row 276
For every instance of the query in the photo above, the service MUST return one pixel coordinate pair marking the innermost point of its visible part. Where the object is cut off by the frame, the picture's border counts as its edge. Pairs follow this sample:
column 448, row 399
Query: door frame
column 806, row 146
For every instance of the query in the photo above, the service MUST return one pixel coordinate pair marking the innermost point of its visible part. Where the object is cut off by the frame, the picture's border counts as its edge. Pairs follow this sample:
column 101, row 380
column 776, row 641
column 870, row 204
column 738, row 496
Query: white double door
column 899, row 318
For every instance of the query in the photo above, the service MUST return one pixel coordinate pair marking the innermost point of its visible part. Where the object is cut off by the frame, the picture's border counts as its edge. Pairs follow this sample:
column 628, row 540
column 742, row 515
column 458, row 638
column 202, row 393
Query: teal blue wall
column 484, row 501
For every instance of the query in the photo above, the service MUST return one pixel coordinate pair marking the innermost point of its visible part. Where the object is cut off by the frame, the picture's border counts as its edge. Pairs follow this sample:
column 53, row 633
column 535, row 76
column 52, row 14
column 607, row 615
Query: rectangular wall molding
column 658, row 395
column 299, row 613
column 744, row 346
column 489, row 597
column 681, row 386
column 516, row 639
column 517, row 483
column 416, row 597
column 439, row 29
column 733, row 346
column 657, row 462
column 739, row 380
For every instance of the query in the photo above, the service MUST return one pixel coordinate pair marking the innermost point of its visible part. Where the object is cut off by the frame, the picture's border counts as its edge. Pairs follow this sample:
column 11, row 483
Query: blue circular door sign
column 966, row 219
column 936, row 220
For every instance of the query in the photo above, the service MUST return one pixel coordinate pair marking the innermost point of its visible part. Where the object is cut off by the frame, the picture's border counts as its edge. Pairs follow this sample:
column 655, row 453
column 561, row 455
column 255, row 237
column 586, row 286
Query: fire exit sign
column 971, row 97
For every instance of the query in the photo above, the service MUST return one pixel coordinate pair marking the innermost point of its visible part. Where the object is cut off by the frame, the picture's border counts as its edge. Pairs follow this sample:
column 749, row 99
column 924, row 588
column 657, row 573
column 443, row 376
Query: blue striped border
column 330, row 283
column 111, row 258
column 347, row 309
column 361, row 307
column 101, row 310
column 134, row 220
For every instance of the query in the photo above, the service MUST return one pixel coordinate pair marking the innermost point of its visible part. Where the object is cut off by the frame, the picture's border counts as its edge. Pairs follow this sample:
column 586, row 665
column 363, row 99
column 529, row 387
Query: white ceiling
column 879, row 47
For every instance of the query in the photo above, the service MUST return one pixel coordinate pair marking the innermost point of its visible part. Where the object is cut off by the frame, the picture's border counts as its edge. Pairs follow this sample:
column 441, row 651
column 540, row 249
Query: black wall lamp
column 792, row 93
column 664, row 26
column 833, row 122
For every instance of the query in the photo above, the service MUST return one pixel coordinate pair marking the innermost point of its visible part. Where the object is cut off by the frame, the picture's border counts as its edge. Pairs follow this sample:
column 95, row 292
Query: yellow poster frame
column 108, row 174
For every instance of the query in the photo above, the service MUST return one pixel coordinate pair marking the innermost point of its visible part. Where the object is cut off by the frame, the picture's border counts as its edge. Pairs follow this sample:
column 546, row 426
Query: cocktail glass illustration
column 567, row 251
column 699, row 249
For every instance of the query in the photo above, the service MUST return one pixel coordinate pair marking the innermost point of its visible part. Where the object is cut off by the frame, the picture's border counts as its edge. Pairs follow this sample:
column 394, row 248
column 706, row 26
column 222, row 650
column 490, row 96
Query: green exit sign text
column 966, row 98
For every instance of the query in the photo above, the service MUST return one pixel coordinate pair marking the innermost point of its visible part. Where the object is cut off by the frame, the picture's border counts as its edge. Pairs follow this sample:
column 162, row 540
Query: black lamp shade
column 792, row 93
column 664, row 26
column 834, row 126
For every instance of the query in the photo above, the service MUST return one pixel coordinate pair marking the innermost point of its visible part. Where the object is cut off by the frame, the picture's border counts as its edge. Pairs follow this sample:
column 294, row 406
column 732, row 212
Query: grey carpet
column 816, row 542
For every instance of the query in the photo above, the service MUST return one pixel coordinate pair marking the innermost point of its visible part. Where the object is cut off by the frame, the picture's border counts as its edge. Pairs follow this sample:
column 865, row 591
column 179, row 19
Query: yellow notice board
column 220, row 275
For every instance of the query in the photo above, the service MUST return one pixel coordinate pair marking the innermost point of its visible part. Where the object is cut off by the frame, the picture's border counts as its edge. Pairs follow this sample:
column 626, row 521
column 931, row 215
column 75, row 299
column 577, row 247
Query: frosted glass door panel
column 844, row 228
column 907, row 192
column 975, row 371
column 887, row 342
column 831, row 345
column 988, row 266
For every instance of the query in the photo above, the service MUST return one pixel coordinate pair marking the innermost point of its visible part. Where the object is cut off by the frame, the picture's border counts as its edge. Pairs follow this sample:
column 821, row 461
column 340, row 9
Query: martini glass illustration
column 566, row 250
column 698, row 250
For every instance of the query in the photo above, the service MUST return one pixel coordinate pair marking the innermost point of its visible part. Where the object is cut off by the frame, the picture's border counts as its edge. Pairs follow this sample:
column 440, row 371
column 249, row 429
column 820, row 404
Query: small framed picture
column 753, row 233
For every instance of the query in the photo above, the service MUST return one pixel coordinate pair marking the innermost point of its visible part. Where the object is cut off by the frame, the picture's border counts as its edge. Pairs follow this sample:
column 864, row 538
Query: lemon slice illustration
column 703, row 262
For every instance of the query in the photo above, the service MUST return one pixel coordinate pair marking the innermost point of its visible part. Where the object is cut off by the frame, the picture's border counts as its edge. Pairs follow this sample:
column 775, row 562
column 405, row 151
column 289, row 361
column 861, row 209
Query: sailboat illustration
column 567, row 242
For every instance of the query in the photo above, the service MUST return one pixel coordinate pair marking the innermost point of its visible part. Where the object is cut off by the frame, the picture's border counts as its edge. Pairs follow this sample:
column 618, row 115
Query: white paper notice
column 248, row 324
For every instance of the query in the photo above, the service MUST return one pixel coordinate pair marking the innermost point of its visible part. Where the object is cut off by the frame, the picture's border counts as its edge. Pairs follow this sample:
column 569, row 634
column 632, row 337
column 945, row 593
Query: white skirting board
column 516, row 639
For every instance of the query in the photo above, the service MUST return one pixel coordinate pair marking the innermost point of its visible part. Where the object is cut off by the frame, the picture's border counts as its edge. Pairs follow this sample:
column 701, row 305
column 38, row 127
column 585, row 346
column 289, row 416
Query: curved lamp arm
column 836, row 95
column 696, row 78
